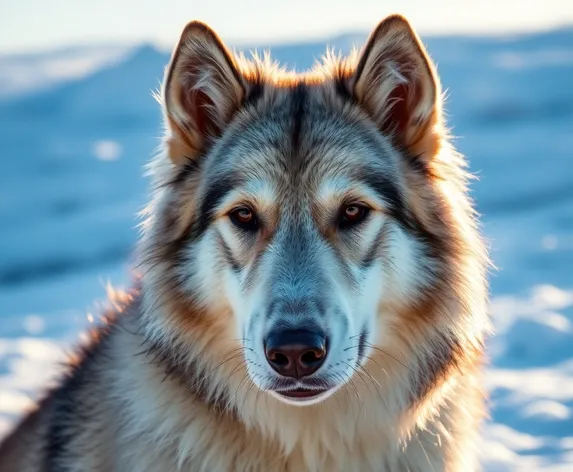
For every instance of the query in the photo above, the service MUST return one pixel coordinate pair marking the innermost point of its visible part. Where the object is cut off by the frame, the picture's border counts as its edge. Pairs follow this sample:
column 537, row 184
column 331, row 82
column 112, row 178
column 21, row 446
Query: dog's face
column 303, row 237
column 291, row 202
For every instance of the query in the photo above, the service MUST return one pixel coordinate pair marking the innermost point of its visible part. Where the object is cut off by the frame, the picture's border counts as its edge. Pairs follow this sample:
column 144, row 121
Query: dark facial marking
column 390, row 193
column 229, row 258
column 216, row 192
column 386, row 190
column 361, row 346
column 298, row 100
column 374, row 250
column 434, row 247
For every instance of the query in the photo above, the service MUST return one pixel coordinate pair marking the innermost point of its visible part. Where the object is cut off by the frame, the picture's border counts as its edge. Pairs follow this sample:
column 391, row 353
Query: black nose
column 295, row 353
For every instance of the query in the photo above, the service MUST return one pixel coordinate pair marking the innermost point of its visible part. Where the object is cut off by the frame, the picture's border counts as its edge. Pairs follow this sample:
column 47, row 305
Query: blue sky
column 40, row 24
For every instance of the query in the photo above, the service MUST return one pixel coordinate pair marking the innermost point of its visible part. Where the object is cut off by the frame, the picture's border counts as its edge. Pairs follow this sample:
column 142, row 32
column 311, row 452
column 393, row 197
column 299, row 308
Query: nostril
column 312, row 356
column 278, row 358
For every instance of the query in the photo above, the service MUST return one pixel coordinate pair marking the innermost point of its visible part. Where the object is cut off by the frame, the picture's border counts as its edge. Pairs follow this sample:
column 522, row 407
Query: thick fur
column 177, row 379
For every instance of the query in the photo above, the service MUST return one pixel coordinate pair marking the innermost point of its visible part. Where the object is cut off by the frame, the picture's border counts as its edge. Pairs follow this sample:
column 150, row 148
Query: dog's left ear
column 396, row 84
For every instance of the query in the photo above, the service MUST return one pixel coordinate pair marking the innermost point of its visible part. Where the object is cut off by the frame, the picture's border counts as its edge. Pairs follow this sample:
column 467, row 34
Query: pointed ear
column 396, row 84
column 202, row 90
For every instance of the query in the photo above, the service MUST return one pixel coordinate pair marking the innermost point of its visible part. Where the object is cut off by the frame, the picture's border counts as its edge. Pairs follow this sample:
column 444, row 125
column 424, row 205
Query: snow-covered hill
column 77, row 126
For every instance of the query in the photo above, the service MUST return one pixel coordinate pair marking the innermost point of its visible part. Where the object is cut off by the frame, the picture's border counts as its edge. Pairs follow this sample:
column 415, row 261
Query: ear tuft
column 202, row 90
column 396, row 84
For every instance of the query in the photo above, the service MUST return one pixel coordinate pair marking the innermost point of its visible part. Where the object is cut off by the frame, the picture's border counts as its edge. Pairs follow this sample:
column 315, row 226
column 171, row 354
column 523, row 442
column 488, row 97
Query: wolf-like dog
column 312, row 291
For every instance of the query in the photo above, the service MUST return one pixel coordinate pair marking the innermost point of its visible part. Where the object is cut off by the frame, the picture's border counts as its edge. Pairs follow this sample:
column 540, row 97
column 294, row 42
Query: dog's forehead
column 301, row 144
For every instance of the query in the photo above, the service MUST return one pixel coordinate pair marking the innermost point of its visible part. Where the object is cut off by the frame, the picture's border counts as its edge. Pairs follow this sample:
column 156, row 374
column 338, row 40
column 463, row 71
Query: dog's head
column 299, row 214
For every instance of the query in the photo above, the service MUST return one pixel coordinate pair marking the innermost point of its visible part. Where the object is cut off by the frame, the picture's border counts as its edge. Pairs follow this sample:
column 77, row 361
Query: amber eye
column 352, row 215
column 245, row 219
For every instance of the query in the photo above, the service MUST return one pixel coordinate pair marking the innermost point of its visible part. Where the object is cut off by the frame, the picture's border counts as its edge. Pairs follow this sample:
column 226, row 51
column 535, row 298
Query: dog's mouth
column 301, row 393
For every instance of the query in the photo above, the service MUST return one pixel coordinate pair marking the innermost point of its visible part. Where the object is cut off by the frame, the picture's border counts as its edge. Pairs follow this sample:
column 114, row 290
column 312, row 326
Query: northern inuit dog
column 312, row 293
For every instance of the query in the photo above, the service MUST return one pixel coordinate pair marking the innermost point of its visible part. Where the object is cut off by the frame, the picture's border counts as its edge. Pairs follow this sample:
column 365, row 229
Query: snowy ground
column 76, row 127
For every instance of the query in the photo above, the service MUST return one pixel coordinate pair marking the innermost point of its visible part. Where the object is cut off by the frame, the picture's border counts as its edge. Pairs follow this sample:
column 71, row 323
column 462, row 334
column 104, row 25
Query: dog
column 312, row 289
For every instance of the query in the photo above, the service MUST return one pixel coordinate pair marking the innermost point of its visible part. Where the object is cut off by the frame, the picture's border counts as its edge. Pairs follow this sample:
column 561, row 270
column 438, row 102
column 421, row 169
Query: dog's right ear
column 202, row 90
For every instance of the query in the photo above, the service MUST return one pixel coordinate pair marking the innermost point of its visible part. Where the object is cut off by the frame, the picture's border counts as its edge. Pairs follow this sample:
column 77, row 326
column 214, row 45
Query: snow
column 21, row 73
column 107, row 150
column 77, row 126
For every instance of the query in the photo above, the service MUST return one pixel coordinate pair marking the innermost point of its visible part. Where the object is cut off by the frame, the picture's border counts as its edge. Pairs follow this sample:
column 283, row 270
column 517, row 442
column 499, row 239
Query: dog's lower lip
column 301, row 393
